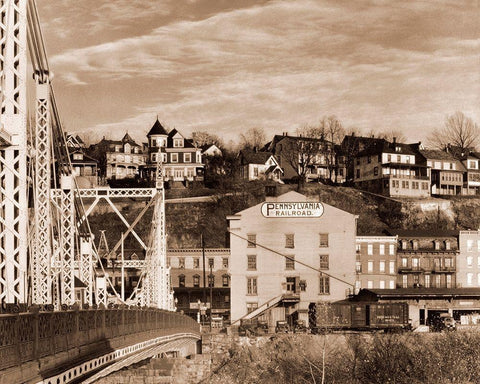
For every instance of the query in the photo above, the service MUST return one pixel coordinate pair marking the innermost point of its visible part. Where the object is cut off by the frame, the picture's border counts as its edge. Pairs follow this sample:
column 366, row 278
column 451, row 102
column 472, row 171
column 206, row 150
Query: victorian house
column 118, row 159
column 181, row 159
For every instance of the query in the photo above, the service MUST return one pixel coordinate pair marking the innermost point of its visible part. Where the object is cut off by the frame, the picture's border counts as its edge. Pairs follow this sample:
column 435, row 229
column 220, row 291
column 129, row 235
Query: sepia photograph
column 239, row 191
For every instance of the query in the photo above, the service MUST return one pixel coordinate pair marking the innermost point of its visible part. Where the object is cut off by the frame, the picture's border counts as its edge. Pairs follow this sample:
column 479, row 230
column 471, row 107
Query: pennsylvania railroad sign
column 304, row 209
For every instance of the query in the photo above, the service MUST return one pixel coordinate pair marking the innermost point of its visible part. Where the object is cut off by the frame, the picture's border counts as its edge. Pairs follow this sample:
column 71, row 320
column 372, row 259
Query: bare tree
column 253, row 138
column 459, row 131
column 201, row 138
column 301, row 152
column 331, row 133
column 393, row 135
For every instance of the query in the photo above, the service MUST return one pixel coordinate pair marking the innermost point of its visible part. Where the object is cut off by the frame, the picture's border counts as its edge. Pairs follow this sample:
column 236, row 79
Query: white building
column 287, row 255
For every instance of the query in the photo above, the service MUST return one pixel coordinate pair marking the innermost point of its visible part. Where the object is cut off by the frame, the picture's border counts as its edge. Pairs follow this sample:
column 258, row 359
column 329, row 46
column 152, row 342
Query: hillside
column 186, row 221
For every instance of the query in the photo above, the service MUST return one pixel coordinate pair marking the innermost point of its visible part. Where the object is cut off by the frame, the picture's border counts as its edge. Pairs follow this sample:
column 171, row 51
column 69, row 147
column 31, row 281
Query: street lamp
column 210, row 283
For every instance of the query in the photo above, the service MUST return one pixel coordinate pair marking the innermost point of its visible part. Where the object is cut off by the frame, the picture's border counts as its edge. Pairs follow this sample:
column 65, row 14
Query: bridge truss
column 45, row 239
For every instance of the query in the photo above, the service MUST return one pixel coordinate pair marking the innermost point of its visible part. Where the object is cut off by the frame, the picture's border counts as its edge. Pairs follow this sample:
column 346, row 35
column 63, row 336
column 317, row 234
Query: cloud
column 284, row 63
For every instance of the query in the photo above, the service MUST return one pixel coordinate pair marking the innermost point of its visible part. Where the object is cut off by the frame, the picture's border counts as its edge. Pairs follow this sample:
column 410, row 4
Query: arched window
column 196, row 281
column 181, row 281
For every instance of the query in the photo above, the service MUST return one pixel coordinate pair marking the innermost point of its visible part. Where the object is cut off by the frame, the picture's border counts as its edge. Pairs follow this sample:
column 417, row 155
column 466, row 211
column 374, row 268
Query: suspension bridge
column 50, row 330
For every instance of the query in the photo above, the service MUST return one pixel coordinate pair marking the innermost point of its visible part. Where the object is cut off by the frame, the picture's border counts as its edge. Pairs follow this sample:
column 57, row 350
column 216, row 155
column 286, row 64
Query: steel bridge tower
column 46, row 246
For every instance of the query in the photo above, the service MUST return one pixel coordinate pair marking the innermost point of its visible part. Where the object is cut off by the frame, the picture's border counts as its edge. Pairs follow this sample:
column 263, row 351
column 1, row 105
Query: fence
column 29, row 336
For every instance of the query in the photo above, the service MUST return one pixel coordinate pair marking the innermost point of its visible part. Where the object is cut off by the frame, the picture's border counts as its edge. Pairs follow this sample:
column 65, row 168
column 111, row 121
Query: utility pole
column 210, row 283
column 204, row 272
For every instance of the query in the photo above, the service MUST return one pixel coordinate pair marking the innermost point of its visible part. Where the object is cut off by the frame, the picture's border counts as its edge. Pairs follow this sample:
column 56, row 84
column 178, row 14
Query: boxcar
column 358, row 316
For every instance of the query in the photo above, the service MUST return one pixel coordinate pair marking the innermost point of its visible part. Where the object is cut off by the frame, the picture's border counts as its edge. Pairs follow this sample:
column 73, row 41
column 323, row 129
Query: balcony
column 402, row 269
column 443, row 269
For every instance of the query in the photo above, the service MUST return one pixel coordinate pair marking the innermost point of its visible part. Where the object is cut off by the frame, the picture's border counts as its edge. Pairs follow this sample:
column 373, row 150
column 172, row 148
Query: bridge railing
column 29, row 336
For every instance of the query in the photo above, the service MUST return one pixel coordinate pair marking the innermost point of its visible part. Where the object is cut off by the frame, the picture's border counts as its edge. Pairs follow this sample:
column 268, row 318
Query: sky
column 226, row 66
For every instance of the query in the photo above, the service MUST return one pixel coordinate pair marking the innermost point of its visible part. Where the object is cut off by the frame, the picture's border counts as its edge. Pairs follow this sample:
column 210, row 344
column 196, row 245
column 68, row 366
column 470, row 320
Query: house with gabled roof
column 182, row 160
column 258, row 165
column 391, row 169
column 446, row 171
column 118, row 159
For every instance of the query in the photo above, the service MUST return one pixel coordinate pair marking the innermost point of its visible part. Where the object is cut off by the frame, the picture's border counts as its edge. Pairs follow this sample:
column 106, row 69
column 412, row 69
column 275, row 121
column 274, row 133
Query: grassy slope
column 186, row 222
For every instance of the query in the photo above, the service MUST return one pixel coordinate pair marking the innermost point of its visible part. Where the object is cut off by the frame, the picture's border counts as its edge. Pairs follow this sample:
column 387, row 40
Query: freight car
column 359, row 316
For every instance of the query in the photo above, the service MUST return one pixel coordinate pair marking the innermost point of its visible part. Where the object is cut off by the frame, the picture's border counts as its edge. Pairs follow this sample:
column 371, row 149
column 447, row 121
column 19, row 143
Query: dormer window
column 436, row 244
column 448, row 245
column 404, row 244
column 117, row 148
column 77, row 156
column 398, row 149
column 127, row 148
column 177, row 143
column 415, row 244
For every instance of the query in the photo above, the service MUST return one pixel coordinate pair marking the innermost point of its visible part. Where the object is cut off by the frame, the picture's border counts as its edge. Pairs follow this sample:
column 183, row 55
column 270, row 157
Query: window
column 415, row 244
column 415, row 262
column 181, row 281
column 375, row 171
column 290, row 240
column 196, row 262
column 187, row 157
column 358, row 286
column 290, row 262
column 448, row 245
column 251, row 262
column 469, row 245
column 448, row 262
column 392, row 249
column 177, row 143
column 324, row 288
column 391, row 284
column 323, row 240
column 436, row 244
column 225, row 280
column 196, row 281
column 358, row 173
column 225, row 263
column 404, row 262
column 438, row 281
column 211, row 262
column 449, row 281
column 255, row 171
column 252, row 286
column 211, row 281
column 358, row 267
column 370, row 266
column 174, row 157
column 389, row 158
column 369, row 159
column 382, row 266
column 251, row 307
column 469, row 261
column 369, row 284
column 469, row 279
column 427, row 281
column 181, row 262
column 391, row 267
column 382, row 284
column 252, row 240
column 370, row 249
column 382, row 249
column 405, row 281
column 323, row 261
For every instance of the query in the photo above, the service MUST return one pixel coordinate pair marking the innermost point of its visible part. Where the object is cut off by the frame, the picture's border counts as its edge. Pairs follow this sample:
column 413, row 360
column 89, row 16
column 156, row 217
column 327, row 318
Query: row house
column 118, row 159
column 259, row 165
column 468, row 260
column 446, row 171
column 182, row 160
column 194, row 272
column 376, row 263
column 471, row 178
column 391, row 169
column 427, row 259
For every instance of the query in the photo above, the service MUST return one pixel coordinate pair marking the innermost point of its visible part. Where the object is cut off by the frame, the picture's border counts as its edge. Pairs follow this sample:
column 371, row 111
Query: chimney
column 394, row 139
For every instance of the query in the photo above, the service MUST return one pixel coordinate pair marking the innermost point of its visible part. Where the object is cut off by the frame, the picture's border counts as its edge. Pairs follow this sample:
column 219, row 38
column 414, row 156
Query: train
column 359, row 316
